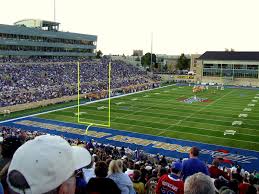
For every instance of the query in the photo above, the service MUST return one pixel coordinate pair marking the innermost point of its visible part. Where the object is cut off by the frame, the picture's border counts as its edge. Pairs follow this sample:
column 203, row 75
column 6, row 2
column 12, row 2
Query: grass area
column 37, row 110
column 161, row 112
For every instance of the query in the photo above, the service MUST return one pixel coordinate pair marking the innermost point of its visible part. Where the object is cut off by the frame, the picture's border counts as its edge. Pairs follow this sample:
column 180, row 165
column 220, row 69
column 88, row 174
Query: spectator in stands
column 251, row 190
column 147, row 163
column 9, row 146
column 151, row 184
column 236, row 174
column 130, row 168
column 226, row 190
column 171, row 183
column 199, row 183
column 243, row 187
column 46, row 164
column 101, row 184
column 22, row 82
column 193, row 164
column 163, row 161
column 233, row 185
column 215, row 172
column 121, row 179
column 88, row 171
column 220, row 182
column 80, row 182
column 137, row 184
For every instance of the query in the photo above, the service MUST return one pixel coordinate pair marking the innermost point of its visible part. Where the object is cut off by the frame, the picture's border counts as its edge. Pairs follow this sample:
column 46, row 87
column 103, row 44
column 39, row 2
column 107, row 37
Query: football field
column 175, row 111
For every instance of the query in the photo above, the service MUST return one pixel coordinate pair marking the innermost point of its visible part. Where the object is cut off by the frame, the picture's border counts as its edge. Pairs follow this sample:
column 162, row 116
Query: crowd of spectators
column 33, row 162
column 30, row 80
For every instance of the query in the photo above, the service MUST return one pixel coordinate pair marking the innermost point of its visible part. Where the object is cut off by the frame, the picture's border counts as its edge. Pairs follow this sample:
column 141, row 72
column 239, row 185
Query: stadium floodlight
column 89, row 124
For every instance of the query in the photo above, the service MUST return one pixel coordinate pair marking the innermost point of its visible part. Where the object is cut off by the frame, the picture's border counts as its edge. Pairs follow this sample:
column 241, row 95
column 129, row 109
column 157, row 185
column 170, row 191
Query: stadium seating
column 25, row 80
column 146, row 169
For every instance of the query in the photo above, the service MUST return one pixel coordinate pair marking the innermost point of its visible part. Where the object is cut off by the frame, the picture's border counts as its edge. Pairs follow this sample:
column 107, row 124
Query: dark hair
column 176, row 171
column 17, row 180
column 194, row 151
column 136, row 175
column 101, row 169
column 233, row 185
column 162, row 171
column 130, row 164
column 220, row 182
column 10, row 145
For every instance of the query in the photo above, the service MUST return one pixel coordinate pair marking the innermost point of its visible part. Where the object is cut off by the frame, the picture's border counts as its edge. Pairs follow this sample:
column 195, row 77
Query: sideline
column 91, row 102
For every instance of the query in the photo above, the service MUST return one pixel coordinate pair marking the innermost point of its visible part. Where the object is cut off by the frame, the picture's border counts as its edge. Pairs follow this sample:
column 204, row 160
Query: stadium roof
column 36, row 20
column 230, row 56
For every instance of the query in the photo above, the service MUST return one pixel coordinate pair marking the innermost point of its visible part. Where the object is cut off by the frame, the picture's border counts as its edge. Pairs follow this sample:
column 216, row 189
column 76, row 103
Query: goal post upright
column 109, row 94
column 109, row 99
column 78, row 92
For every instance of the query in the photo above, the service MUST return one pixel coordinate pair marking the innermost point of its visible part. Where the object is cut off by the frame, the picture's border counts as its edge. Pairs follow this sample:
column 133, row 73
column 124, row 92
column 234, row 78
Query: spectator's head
column 162, row 171
column 130, row 164
column 233, row 185
column 220, row 182
column 176, row 168
column 136, row 175
column 215, row 162
column 154, row 173
column 46, row 164
column 101, row 169
column 116, row 166
column 199, row 183
column 226, row 191
column 194, row 152
column 10, row 145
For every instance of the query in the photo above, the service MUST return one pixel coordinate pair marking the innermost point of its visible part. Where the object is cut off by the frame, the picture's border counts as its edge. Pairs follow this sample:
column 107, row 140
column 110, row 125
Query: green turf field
column 160, row 112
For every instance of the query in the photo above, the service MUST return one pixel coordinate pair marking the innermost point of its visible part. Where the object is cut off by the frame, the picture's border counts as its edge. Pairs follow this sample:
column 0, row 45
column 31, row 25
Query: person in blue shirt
column 193, row 164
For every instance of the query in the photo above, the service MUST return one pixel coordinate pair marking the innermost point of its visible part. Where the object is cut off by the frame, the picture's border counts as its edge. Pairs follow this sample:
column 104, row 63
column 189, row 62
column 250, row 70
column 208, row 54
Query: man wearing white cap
column 46, row 165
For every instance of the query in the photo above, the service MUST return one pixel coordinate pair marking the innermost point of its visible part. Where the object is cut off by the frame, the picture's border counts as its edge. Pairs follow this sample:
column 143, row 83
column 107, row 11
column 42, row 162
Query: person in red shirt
column 215, row 172
column 243, row 187
column 171, row 183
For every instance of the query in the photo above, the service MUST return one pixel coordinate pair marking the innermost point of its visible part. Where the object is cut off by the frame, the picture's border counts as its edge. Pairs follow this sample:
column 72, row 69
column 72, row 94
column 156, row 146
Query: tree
column 183, row 63
column 146, row 60
column 165, row 68
column 99, row 54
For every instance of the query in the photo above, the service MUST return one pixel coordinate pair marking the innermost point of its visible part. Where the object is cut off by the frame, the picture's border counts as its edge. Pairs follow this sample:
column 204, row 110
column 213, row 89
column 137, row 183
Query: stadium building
column 227, row 67
column 42, row 38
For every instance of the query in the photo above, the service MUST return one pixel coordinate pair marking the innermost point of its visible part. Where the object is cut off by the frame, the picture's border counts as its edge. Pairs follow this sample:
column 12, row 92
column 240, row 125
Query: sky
column 178, row 26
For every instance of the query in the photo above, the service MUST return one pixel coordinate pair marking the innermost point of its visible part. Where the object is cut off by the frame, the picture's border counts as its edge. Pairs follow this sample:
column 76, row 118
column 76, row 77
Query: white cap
column 46, row 162
column 148, row 168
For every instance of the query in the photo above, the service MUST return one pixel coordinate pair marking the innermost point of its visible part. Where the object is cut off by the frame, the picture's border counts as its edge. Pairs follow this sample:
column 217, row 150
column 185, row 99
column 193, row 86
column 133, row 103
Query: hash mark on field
column 119, row 103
